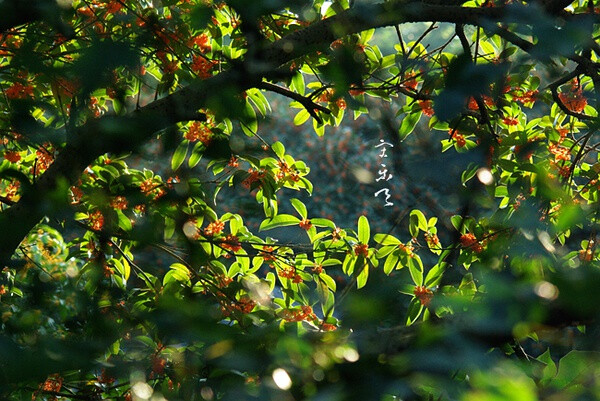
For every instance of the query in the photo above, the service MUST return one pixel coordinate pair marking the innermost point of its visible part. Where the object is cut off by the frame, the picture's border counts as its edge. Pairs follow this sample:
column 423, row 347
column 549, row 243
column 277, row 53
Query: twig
column 306, row 102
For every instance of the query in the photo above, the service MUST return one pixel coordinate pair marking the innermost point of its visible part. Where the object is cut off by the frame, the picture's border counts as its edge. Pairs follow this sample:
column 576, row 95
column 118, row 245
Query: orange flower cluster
column 586, row 255
column 53, row 383
column 528, row 97
column 12, row 156
column 423, row 294
column 203, row 42
column 171, row 181
column 488, row 101
column 469, row 241
column 410, row 81
column 427, row 107
column 147, row 186
column 233, row 162
column 231, row 243
column 119, row 202
column 295, row 315
column 432, row 240
column 305, row 224
column 96, row 220
column 511, row 121
column 12, row 189
column 560, row 152
column 19, row 91
column 214, row 228
column 255, row 175
column 158, row 364
column 285, row 172
column 573, row 99
column 328, row 327
column 361, row 249
column 222, row 280
column 244, row 305
column 107, row 270
column 458, row 137
column 44, row 159
column 290, row 272
column 317, row 269
column 199, row 132
column 408, row 249
column 267, row 253
column 202, row 67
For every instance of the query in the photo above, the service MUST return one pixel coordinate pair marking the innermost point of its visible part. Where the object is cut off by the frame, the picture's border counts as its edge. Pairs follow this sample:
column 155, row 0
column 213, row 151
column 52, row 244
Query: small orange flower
column 19, row 91
column 328, row 327
column 158, row 364
column 469, row 241
column 147, row 186
column 12, row 156
column 432, row 240
column 119, row 202
column 96, row 220
column 361, row 249
column 202, row 66
column 214, row 228
column 199, row 132
column 427, row 107
column 458, row 137
column 231, row 243
column 53, row 383
column 233, row 162
column 268, row 253
column 573, row 99
column 203, row 42
column 305, row 224
column 423, row 294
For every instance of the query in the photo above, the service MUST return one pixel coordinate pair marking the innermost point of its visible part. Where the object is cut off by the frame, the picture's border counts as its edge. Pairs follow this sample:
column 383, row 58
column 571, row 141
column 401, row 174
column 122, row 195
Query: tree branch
column 307, row 103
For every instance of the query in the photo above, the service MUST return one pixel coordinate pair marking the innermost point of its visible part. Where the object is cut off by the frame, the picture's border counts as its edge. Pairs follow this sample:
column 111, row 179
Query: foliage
column 128, row 281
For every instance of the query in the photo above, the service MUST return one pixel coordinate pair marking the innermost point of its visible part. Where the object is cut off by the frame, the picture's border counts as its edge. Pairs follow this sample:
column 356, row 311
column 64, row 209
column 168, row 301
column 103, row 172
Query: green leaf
column 364, row 232
column 281, row 220
column 572, row 367
column 390, row 263
column 414, row 311
column 179, row 155
column 124, row 221
column 415, row 266
column 386, row 239
column 408, row 124
column 297, row 83
column 456, row 221
column 319, row 222
column 328, row 280
column 300, row 208
column 421, row 220
column 301, row 117
column 196, row 156
column 363, row 276
column 279, row 149
column 550, row 369
column 348, row 265
column 435, row 274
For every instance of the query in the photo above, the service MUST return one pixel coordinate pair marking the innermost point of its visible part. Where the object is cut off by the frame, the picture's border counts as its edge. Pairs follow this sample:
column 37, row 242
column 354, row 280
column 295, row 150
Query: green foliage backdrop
column 201, row 274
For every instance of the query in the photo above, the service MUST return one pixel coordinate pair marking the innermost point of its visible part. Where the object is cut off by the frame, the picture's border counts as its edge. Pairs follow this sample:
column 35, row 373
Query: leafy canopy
column 126, row 280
